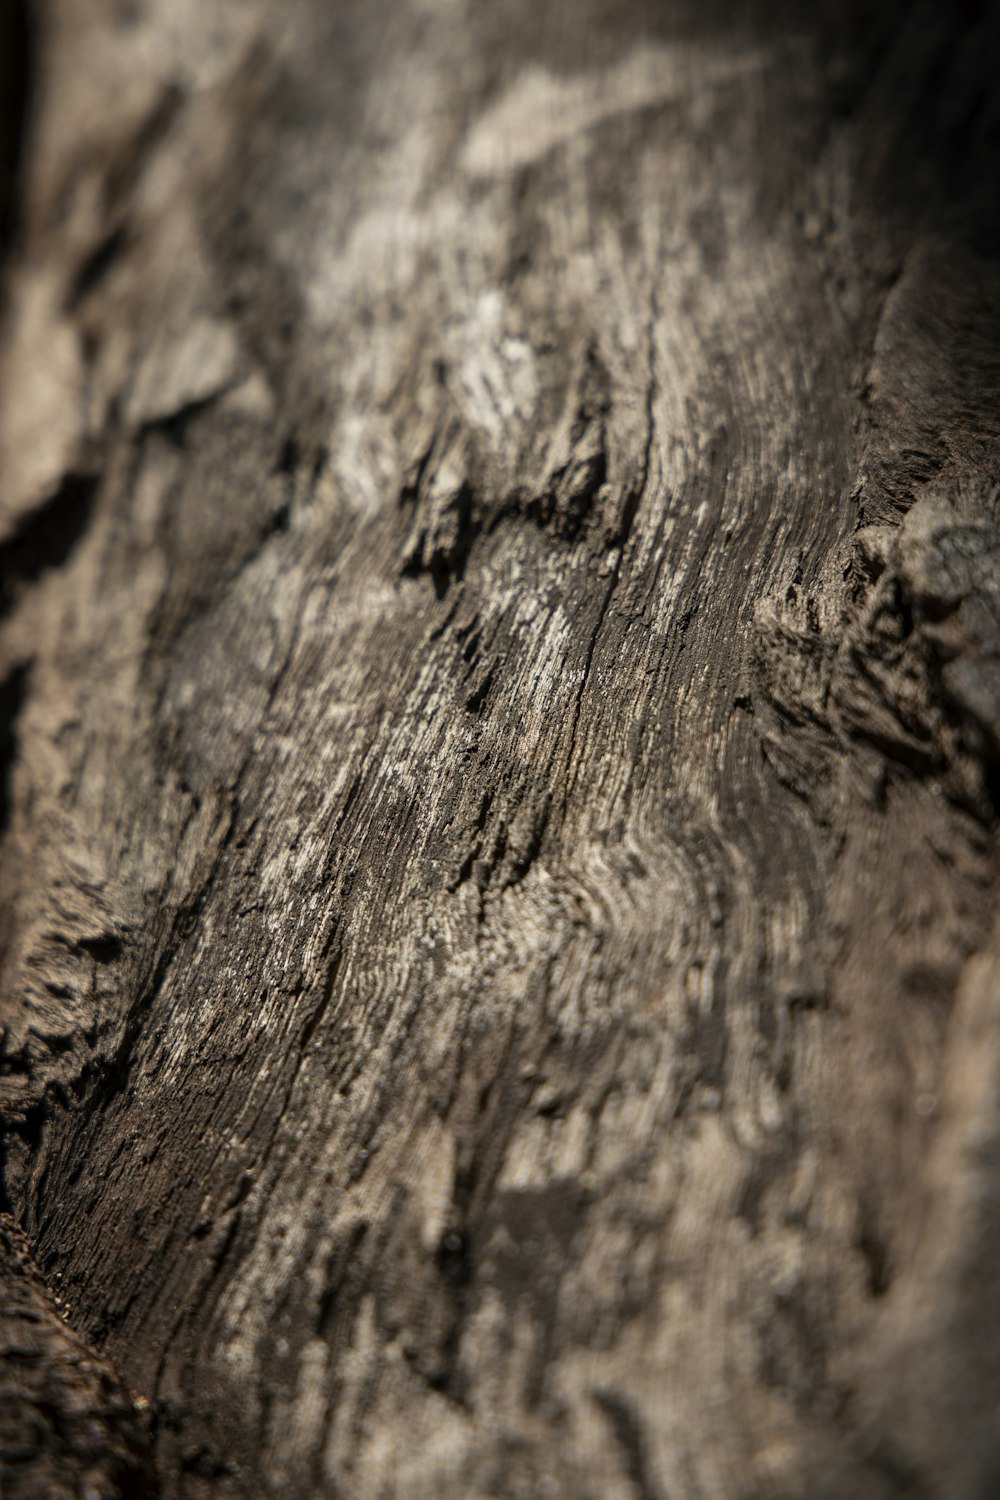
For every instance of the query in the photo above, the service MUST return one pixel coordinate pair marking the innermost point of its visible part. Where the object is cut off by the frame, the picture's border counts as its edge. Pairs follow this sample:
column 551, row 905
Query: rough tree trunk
column 501, row 661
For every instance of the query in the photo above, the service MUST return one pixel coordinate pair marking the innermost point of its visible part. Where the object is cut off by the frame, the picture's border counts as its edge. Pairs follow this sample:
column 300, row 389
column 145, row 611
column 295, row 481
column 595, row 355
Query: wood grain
column 501, row 640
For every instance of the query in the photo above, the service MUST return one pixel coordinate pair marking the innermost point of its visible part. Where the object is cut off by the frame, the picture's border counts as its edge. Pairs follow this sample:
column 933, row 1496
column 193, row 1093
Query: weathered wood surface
column 501, row 652
column 66, row 1425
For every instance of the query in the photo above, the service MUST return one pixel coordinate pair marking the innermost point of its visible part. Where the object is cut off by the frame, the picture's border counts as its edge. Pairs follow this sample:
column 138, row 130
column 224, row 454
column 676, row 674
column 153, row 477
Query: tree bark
column 501, row 711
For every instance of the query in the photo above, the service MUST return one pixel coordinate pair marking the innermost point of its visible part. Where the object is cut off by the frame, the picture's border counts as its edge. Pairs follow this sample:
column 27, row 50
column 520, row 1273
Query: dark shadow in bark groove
column 16, row 58
column 46, row 536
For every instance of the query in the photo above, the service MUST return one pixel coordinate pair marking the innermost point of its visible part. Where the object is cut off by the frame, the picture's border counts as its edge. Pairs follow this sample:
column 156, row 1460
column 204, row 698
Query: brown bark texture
column 500, row 686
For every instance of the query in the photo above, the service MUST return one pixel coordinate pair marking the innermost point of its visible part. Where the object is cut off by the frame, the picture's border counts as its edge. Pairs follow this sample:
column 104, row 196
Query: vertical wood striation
column 500, row 653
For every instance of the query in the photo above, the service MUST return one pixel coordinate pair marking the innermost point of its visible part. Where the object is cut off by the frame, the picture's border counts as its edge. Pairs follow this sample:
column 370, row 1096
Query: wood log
column 500, row 659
